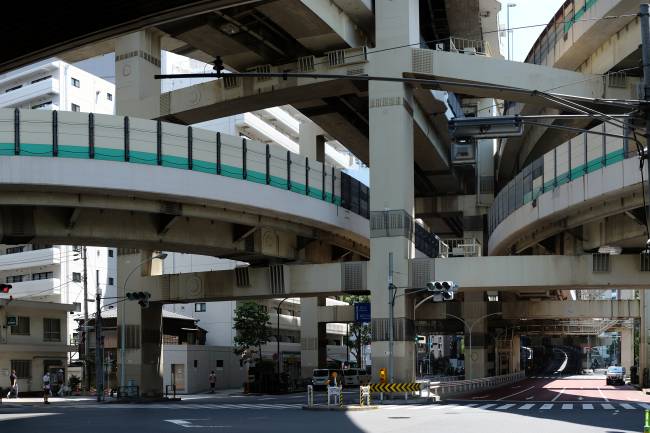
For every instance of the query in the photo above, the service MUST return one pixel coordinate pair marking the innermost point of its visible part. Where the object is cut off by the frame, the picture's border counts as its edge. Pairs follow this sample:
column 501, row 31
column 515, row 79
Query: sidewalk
column 10, row 402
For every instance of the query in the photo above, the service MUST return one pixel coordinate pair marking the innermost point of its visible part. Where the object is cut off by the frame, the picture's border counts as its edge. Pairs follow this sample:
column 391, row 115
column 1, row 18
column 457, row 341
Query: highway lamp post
column 277, row 339
column 161, row 256
column 469, row 328
column 508, row 31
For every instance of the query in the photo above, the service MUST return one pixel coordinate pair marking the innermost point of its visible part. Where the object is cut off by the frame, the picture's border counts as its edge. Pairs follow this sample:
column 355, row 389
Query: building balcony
column 30, row 259
column 30, row 92
column 47, row 287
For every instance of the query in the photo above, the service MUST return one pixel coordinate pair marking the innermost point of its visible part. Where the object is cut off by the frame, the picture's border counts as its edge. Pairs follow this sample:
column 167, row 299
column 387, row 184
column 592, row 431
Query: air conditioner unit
column 463, row 153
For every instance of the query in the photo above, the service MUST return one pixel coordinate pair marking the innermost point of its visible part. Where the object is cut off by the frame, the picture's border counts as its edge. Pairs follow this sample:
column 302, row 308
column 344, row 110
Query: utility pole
column 99, row 349
column 391, row 304
column 644, row 16
column 85, row 283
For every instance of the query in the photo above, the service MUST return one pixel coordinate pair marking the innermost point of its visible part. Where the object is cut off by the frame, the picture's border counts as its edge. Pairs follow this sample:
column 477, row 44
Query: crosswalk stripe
column 417, row 407
column 567, row 406
column 485, row 406
column 505, row 406
column 546, row 406
column 607, row 406
column 644, row 405
column 627, row 406
column 393, row 407
column 587, row 406
column 526, row 406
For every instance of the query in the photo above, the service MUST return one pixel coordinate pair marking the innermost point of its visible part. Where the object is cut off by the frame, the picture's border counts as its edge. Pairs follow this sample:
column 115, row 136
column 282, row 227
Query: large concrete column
column 391, row 193
column 313, row 337
column 474, row 311
column 137, row 60
column 627, row 348
column 644, row 337
column 312, row 141
column 143, row 354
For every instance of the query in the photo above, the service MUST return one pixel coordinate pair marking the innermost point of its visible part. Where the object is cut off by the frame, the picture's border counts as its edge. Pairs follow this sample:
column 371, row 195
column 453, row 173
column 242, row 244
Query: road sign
column 362, row 312
column 12, row 321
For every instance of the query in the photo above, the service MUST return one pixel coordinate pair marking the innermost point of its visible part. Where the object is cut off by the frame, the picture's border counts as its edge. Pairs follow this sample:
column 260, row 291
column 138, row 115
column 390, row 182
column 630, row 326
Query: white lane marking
column 601, row 394
column 268, row 398
column 526, row 406
column 11, row 416
column 508, row 396
column 607, row 406
column 530, row 398
column 505, row 406
column 393, row 407
column 559, row 394
column 479, row 397
column 587, row 406
column 567, row 406
column 485, row 406
column 187, row 424
column 627, row 406
column 580, row 398
column 417, row 407
column 546, row 406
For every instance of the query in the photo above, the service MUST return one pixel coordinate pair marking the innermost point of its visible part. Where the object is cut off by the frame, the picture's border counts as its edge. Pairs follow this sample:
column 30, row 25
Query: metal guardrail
column 128, row 391
column 442, row 389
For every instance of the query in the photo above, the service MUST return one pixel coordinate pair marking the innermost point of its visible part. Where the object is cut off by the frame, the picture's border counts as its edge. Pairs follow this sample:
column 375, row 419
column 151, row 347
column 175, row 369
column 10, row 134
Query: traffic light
column 382, row 375
column 442, row 290
column 141, row 297
column 4, row 288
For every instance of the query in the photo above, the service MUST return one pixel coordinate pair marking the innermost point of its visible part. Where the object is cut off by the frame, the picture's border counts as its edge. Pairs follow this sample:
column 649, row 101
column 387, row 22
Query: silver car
column 615, row 375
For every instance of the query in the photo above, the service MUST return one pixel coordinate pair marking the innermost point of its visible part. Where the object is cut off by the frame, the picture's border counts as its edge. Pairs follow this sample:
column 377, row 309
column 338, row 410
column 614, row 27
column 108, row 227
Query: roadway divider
column 407, row 388
column 441, row 390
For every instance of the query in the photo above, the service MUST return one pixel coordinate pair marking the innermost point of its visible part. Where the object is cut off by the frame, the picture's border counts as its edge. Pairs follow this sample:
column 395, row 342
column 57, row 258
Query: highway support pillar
column 313, row 337
column 474, row 314
column 392, row 196
column 137, row 60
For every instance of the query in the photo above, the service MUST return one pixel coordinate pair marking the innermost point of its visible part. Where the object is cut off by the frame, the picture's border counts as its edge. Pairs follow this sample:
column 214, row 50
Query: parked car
column 615, row 375
column 321, row 377
column 355, row 377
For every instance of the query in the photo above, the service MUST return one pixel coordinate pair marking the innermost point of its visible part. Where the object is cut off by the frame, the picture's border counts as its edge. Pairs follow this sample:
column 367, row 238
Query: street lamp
column 510, row 5
column 161, row 256
column 277, row 338
column 470, row 327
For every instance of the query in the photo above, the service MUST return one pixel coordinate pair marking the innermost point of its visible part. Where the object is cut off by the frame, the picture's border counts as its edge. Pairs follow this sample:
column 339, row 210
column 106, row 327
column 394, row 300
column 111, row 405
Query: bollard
column 310, row 395
column 646, row 427
column 360, row 396
column 341, row 396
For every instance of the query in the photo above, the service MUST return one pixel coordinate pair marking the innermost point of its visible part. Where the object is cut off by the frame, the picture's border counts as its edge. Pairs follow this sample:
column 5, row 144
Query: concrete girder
column 603, row 193
column 529, row 273
column 531, row 310
column 252, row 283
column 336, row 314
column 617, row 230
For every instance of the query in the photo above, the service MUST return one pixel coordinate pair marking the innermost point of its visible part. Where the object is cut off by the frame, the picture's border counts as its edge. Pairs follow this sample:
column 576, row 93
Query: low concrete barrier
column 447, row 389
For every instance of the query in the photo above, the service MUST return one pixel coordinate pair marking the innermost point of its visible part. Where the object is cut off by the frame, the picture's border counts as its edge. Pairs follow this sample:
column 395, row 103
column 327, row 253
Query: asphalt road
column 281, row 414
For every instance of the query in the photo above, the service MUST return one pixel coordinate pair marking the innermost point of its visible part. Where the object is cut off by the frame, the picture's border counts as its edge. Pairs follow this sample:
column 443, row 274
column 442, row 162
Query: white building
column 56, row 85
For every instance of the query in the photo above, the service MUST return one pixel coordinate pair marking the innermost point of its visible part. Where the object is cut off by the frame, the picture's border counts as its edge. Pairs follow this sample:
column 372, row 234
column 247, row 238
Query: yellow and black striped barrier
column 394, row 387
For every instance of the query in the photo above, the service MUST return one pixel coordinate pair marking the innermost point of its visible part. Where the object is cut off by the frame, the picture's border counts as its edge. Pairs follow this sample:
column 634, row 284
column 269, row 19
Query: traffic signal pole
column 85, row 283
column 99, row 350
column 644, row 17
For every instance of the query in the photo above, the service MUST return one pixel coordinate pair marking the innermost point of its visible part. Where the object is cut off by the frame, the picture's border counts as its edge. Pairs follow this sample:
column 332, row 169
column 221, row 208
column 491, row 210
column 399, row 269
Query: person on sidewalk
column 13, row 385
column 213, row 381
column 46, row 387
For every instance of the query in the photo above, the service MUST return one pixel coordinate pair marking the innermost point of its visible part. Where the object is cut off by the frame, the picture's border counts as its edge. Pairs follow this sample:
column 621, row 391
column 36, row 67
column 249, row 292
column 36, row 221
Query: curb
column 340, row 408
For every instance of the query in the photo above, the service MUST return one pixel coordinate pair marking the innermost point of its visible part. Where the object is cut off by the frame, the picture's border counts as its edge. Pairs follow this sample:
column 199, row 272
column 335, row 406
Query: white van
column 355, row 377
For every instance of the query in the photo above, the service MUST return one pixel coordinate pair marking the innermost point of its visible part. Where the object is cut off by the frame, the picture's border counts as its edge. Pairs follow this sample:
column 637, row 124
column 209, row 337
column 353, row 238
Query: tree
column 251, row 323
column 360, row 334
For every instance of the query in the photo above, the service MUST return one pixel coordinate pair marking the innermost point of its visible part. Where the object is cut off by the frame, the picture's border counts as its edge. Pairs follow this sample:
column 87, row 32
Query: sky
column 525, row 13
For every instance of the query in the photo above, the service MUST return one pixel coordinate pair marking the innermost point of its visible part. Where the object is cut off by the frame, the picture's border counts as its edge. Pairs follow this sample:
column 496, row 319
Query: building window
column 47, row 104
column 76, row 82
column 23, row 368
column 196, row 363
column 219, row 364
column 41, row 79
column 199, row 307
column 15, row 278
column 109, row 96
column 76, row 277
column 42, row 275
column 14, row 250
column 51, row 330
column 13, row 88
column 22, row 326
column 110, row 281
column 75, row 107
column 110, row 253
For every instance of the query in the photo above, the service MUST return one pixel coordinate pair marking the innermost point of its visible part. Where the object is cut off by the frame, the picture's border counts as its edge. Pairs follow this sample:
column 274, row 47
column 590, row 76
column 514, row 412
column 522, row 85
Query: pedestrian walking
column 213, row 381
column 46, row 387
column 13, row 385
column 60, row 380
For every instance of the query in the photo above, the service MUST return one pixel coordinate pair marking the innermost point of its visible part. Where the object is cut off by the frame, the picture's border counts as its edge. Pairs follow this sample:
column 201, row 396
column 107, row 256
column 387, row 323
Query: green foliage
column 73, row 382
column 252, row 325
column 360, row 333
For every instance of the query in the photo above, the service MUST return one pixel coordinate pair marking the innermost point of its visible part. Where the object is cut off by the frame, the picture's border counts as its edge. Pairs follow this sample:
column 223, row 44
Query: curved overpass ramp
column 107, row 180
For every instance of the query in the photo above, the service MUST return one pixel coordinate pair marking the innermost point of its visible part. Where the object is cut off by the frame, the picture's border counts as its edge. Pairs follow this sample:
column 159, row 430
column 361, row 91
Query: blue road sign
column 362, row 312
